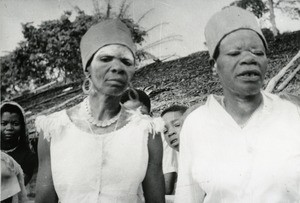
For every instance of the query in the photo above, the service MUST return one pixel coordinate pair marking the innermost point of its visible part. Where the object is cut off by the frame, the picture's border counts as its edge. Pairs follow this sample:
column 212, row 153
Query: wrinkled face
column 111, row 69
column 10, row 127
column 242, row 63
column 172, row 129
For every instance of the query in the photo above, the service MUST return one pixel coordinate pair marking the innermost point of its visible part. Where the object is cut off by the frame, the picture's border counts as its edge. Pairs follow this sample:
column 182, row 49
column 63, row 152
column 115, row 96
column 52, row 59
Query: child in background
column 172, row 117
column 14, row 138
column 134, row 99
column 12, row 181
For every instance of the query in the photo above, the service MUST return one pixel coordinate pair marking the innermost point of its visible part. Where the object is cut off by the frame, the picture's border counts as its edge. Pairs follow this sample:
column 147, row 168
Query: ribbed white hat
column 227, row 21
column 107, row 32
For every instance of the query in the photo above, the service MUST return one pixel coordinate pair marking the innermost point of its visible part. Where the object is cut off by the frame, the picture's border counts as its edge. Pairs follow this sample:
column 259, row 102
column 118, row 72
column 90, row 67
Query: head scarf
column 12, row 103
column 227, row 21
column 106, row 32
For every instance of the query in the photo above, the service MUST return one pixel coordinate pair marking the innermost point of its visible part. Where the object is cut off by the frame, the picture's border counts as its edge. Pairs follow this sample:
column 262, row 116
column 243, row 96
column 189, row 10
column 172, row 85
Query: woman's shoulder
column 10, row 163
column 47, row 124
column 151, row 125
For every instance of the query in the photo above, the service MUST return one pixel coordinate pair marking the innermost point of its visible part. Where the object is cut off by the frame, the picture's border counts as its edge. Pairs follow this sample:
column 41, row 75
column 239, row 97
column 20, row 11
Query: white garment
column 170, row 158
column 97, row 168
column 221, row 162
column 12, row 186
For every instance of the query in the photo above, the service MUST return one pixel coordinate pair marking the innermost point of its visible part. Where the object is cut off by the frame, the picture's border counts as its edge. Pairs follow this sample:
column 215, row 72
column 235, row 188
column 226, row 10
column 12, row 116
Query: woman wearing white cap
column 245, row 146
column 97, row 151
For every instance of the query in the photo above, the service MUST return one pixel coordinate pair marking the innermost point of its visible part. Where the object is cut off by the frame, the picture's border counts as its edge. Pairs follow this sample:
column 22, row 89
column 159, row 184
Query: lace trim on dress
column 51, row 125
column 154, row 125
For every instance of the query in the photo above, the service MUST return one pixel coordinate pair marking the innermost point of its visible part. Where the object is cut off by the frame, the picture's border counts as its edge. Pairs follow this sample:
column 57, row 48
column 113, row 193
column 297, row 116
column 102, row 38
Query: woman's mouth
column 251, row 76
column 8, row 136
column 116, row 82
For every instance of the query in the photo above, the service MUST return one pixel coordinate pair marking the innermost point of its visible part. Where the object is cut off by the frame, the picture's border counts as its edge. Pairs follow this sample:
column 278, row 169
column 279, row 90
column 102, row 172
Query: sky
column 184, row 19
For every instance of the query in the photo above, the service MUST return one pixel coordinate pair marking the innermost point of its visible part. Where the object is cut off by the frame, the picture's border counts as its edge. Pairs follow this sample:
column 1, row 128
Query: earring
column 87, row 86
column 214, row 70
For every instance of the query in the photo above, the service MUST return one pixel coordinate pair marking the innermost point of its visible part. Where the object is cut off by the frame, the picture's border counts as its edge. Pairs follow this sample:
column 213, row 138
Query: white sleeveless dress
column 106, row 168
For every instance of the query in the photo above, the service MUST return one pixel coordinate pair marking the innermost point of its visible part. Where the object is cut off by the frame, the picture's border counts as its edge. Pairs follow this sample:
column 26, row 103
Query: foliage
column 290, row 8
column 50, row 51
column 186, row 80
column 258, row 7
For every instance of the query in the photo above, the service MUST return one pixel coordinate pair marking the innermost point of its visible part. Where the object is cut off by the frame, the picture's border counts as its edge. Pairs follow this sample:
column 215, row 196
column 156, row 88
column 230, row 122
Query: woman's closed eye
column 258, row 52
column 233, row 53
column 127, row 62
column 106, row 58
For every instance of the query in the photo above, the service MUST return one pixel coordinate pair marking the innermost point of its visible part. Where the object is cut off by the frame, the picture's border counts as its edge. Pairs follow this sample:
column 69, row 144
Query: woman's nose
column 249, row 59
column 9, row 126
column 118, row 67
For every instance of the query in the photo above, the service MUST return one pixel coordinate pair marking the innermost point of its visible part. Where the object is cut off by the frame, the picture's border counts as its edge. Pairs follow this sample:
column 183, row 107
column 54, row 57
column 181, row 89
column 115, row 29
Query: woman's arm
column 45, row 192
column 170, row 180
column 153, row 184
column 31, row 163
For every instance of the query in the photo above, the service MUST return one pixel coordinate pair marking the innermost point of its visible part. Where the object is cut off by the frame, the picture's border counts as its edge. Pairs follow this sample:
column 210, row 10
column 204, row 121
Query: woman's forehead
column 115, row 50
column 7, row 114
column 242, row 38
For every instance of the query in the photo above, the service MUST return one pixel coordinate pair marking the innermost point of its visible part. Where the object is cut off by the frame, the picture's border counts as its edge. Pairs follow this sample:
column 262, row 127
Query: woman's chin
column 115, row 92
column 246, row 91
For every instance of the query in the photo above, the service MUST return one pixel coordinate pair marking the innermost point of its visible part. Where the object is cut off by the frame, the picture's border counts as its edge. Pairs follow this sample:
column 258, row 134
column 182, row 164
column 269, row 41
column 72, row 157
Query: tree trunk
column 272, row 18
column 273, row 82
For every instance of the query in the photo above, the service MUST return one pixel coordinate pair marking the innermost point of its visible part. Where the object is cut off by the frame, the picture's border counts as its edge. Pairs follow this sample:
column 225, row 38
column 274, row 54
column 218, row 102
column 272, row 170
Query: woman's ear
column 88, row 71
column 213, row 65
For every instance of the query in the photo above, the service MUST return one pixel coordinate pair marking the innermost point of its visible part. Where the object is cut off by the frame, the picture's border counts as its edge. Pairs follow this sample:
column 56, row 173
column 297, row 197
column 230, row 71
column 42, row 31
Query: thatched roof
column 186, row 80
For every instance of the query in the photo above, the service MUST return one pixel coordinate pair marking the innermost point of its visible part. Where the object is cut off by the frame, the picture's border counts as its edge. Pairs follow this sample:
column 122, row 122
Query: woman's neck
column 104, row 107
column 9, row 145
column 241, row 107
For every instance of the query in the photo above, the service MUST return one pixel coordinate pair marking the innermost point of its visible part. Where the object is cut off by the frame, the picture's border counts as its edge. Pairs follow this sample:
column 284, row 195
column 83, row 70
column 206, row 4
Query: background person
column 173, row 121
column 172, row 117
column 243, row 147
column 136, row 99
column 12, row 181
column 101, row 152
column 14, row 139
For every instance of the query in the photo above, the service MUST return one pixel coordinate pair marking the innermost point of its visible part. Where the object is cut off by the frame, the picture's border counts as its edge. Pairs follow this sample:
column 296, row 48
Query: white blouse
column 221, row 162
column 97, row 168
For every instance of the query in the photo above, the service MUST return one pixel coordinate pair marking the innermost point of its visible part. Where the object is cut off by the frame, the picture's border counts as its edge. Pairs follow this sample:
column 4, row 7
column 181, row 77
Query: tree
column 260, row 7
column 51, row 50
column 272, row 18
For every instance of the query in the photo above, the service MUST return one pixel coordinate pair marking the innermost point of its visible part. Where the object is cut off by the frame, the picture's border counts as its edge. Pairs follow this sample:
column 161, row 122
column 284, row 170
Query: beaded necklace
column 98, row 123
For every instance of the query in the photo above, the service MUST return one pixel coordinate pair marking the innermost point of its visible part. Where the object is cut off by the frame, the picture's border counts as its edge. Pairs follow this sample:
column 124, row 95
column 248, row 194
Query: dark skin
column 45, row 192
column 11, row 131
column 241, row 66
column 111, row 69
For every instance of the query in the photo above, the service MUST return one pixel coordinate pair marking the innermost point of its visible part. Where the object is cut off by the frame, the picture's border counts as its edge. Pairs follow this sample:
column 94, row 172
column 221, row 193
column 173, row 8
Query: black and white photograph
column 150, row 101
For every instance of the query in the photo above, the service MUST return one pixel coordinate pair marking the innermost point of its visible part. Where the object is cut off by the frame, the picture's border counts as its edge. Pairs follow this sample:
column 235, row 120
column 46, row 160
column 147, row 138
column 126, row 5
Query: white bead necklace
column 98, row 123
